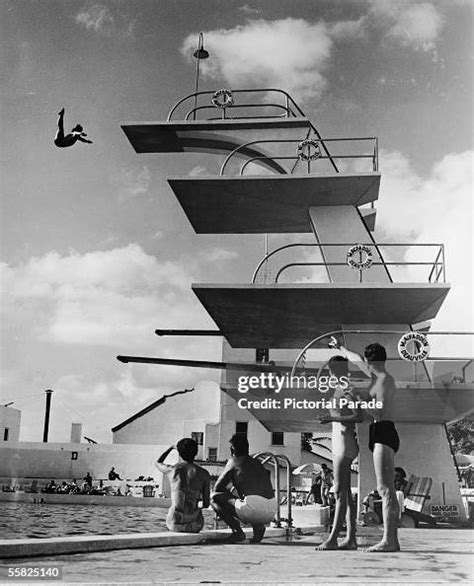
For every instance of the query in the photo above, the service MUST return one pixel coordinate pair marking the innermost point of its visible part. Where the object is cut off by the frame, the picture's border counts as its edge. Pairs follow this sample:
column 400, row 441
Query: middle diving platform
column 270, row 203
column 287, row 315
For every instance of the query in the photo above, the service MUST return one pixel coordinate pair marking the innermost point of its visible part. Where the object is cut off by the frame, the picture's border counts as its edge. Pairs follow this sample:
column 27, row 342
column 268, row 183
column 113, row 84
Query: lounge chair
column 417, row 493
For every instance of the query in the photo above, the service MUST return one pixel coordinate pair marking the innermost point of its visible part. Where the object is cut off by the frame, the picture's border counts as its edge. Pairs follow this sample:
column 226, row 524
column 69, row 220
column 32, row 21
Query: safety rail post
column 265, row 457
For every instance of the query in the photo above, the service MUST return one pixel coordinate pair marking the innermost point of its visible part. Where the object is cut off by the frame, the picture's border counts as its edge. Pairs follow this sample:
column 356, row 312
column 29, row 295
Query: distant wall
column 66, row 461
column 9, row 424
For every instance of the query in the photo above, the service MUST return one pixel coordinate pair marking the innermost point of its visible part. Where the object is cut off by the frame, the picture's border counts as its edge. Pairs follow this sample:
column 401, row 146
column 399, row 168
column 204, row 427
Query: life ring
column 223, row 99
column 422, row 347
column 304, row 150
column 364, row 263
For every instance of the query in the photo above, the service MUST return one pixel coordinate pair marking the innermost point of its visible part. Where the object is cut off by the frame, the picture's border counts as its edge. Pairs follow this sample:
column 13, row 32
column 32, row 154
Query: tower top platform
column 221, row 135
column 288, row 315
column 268, row 203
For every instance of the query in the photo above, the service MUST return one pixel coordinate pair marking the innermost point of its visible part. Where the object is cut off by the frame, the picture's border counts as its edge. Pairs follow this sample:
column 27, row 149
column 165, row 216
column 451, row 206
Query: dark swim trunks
column 383, row 432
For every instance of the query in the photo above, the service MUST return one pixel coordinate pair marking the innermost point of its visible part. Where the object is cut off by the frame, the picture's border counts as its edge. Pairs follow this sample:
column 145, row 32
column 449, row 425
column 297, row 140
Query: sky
column 96, row 252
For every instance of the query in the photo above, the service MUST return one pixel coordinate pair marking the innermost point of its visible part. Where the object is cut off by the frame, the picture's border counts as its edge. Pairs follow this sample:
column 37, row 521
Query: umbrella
column 464, row 459
column 309, row 468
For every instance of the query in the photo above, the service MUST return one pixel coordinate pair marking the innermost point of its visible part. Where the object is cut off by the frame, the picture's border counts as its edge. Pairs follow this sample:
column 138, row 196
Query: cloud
column 103, row 298
column 436, row 209
column 290, row 53
column 249, row 10
column 199, row 171
column 97, row 18
column 101, row 20
column 410, row 24
column 132, row 182
column 85, row 309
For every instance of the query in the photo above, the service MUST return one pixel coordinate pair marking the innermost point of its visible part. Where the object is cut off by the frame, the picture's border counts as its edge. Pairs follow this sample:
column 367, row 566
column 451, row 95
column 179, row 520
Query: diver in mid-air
column 68, row 140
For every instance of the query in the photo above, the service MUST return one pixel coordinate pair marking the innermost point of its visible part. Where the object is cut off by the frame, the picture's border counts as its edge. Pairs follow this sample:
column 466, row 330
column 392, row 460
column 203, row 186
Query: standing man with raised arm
column 383, row 437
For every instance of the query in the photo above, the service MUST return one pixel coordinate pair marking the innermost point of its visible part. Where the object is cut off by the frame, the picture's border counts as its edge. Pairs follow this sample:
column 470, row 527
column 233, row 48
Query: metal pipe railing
column 371, row 332
column 265, row 457
column 290, row 104
column 437, row 265
column 296, row 141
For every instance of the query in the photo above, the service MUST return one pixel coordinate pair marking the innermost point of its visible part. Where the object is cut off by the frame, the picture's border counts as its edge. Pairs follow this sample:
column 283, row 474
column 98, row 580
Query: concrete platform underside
column 273, row 204
column 201, row 135
column 290, row 315
column 432, row 556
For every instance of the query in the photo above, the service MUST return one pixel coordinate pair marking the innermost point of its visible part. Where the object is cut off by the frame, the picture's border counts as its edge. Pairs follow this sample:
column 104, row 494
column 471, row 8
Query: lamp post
column 46, row 415
column 199, row 54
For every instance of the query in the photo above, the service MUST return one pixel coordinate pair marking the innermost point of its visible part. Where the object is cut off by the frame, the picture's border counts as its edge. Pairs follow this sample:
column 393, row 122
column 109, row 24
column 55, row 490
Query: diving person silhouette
column 61, row 140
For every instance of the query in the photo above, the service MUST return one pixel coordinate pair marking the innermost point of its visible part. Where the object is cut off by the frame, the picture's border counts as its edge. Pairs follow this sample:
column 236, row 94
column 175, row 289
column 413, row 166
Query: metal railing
column 289, row 108
column 303, row 353
column 437, row 272
column 373, row 155
column 276, row 460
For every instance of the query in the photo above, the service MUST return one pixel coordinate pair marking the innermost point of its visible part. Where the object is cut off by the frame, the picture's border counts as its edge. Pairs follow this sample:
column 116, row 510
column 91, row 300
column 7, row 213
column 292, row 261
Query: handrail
column 191, row 112
column 376, row 245
column 343, row 264
column 266, row 456
column 240, row 91
column 288, row 101
column 296, row 141
column 336, row 332
column 293, row 158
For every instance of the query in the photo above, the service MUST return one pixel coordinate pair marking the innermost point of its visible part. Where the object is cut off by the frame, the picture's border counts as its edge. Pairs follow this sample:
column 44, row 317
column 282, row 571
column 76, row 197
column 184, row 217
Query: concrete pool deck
column 434, row 556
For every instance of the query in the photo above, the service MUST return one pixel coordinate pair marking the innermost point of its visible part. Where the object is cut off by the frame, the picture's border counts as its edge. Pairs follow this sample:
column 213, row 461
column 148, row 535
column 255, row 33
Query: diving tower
column 279, row 175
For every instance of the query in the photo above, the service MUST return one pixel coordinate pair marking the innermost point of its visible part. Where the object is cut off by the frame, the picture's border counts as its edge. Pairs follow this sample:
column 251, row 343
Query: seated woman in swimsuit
column 344, row 450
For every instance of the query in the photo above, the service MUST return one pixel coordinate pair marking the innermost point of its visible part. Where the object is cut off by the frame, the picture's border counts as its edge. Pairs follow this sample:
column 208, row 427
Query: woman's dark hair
column 339, row 366
column 240, row 444
column 401, row 471
column 187, row 449
column 375, row 353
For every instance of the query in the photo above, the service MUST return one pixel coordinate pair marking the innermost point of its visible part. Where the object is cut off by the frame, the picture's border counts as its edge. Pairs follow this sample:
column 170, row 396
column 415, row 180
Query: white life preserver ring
column 223, row 99
column 304, row 150
column 364, row 263
column 422, row 347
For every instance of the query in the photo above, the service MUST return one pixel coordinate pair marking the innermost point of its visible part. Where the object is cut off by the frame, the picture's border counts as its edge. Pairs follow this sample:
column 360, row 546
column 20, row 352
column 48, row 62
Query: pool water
column 23, row 520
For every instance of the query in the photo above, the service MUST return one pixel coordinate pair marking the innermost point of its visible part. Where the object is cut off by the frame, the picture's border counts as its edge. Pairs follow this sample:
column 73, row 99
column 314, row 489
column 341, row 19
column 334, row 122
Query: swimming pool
column 23, row 520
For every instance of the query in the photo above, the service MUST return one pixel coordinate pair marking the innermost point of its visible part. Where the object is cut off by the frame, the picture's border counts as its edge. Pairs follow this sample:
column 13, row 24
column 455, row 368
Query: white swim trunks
column 255, row 509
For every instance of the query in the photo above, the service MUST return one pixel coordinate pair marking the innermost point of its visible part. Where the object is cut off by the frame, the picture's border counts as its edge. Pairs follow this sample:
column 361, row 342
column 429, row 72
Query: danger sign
column 444, row 511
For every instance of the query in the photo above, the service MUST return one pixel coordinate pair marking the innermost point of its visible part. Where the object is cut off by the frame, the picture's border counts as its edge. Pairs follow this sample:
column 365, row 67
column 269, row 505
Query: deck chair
column 417, row 493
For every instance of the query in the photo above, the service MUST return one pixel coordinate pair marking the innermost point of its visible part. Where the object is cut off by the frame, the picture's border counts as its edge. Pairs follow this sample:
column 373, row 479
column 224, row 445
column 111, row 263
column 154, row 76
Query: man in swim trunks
column 383, row 437
column 66, row 140
column 243, row 492
column 189, row 484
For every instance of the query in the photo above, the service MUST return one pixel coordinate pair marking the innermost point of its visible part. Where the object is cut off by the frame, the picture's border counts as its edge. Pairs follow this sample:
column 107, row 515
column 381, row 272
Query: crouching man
column 243, row 492
column 189, row 484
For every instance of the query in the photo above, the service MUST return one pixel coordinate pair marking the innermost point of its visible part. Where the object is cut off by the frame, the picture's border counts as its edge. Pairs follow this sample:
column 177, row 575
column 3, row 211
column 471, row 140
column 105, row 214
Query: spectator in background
column 113, row 475
column 400, row 477
column 327, row 480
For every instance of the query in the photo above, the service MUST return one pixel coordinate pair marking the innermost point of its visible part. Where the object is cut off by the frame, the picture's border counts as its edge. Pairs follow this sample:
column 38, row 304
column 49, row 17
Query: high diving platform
column 287, row 315
column 268, row 204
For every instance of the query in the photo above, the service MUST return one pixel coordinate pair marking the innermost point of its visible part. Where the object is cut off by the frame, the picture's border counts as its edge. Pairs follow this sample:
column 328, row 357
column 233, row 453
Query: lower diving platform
column 288, row 315
column 269, row 203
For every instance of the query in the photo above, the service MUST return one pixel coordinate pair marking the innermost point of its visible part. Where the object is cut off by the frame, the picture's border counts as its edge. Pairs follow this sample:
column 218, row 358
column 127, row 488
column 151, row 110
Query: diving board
column 289, row 315
column 270, row 203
